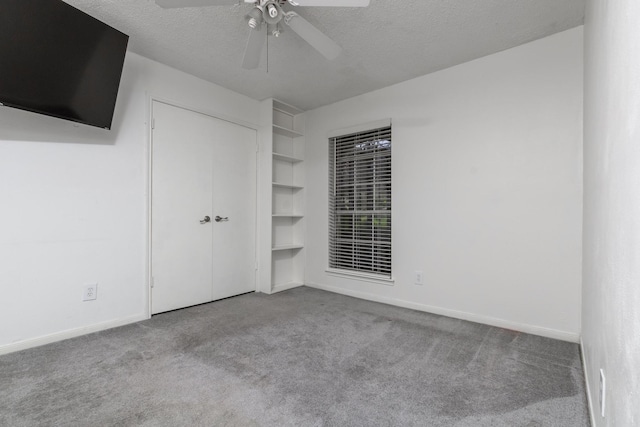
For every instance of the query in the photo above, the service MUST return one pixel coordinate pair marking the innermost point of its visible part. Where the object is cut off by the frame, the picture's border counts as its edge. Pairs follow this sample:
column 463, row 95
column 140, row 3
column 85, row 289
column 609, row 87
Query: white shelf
column 286, row 108
column 285, row 158
column 292, row 187
column 287, row 247
column 287, row 215
column 286, row 132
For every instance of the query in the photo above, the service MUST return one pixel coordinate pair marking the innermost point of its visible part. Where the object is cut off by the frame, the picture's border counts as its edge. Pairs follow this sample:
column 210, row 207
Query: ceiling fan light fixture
column 254, row 18
column 272, row 13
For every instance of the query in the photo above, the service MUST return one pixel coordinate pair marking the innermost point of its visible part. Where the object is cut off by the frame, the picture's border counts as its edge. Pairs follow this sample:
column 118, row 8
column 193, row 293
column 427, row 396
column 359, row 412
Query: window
column 360, row 202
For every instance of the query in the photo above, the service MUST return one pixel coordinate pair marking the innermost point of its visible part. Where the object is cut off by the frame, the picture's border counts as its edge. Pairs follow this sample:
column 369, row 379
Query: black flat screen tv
column 58, row 61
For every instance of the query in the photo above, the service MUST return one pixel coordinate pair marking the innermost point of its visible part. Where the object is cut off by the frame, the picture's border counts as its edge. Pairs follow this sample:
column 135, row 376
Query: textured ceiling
column 386, row 43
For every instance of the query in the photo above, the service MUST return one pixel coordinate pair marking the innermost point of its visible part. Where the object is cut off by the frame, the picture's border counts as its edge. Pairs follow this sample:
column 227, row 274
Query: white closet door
column 234, row 198
column 201, row 167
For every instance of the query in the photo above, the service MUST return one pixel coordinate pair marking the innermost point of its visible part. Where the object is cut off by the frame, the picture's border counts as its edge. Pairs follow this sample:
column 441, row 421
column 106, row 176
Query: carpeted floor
column 298, row 358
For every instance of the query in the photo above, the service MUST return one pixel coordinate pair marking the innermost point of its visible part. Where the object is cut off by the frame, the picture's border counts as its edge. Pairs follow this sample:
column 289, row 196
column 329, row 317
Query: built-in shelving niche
column 287, row 221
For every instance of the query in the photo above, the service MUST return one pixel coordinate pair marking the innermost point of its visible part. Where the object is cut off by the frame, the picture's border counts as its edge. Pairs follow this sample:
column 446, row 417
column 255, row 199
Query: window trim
column 381, row 278
column 361, row 276
column 364, row 127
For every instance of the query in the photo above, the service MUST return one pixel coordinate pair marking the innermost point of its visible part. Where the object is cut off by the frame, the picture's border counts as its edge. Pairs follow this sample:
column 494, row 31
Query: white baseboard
column 69, row 333
column 586, row 381
column 487, row 320
column 286, row 286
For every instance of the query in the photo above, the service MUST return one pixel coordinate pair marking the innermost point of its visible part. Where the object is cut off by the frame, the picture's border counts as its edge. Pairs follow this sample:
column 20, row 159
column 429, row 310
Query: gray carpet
column 298, row 358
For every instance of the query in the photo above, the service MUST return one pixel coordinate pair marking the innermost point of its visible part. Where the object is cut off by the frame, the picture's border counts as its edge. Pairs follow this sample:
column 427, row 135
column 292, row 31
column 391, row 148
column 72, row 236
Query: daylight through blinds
column 360, row 202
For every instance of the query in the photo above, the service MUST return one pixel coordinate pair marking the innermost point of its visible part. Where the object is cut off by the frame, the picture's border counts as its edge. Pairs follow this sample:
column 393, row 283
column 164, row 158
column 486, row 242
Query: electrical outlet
column 90, row 292
column 419, row 279
column 602, row 394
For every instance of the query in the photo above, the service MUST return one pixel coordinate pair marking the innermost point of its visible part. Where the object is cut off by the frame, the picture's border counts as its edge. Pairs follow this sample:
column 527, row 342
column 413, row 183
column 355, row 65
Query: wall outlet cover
column 90, row 292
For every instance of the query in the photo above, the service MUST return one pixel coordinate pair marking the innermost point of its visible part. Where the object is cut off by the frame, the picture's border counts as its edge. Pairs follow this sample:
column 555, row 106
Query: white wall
column 487, row 168
column 611, row 269
column 74, row 208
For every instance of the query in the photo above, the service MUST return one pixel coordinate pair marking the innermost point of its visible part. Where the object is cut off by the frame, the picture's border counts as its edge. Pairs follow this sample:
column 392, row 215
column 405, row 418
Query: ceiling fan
column 270, row 14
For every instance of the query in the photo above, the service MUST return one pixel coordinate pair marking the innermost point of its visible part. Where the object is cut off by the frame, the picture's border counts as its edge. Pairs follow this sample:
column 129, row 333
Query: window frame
column 371, row 256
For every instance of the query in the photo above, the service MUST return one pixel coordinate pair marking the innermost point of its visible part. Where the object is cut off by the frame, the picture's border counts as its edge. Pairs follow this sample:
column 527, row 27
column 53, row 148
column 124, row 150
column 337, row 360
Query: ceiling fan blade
column 314, row 37
column 172, row 4
column 253, row 50
column 333, row 3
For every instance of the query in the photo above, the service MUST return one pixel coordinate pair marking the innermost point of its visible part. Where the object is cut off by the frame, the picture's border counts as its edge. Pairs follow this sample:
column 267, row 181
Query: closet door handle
column 205, row 220
column 220, row 219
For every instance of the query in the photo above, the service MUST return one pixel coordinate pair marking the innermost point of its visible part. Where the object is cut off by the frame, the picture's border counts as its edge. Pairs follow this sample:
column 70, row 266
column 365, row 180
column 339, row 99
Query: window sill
column 365, row 277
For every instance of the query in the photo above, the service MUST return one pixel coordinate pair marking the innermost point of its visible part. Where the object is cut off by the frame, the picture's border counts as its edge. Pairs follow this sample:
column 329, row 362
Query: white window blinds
column 360, row 202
